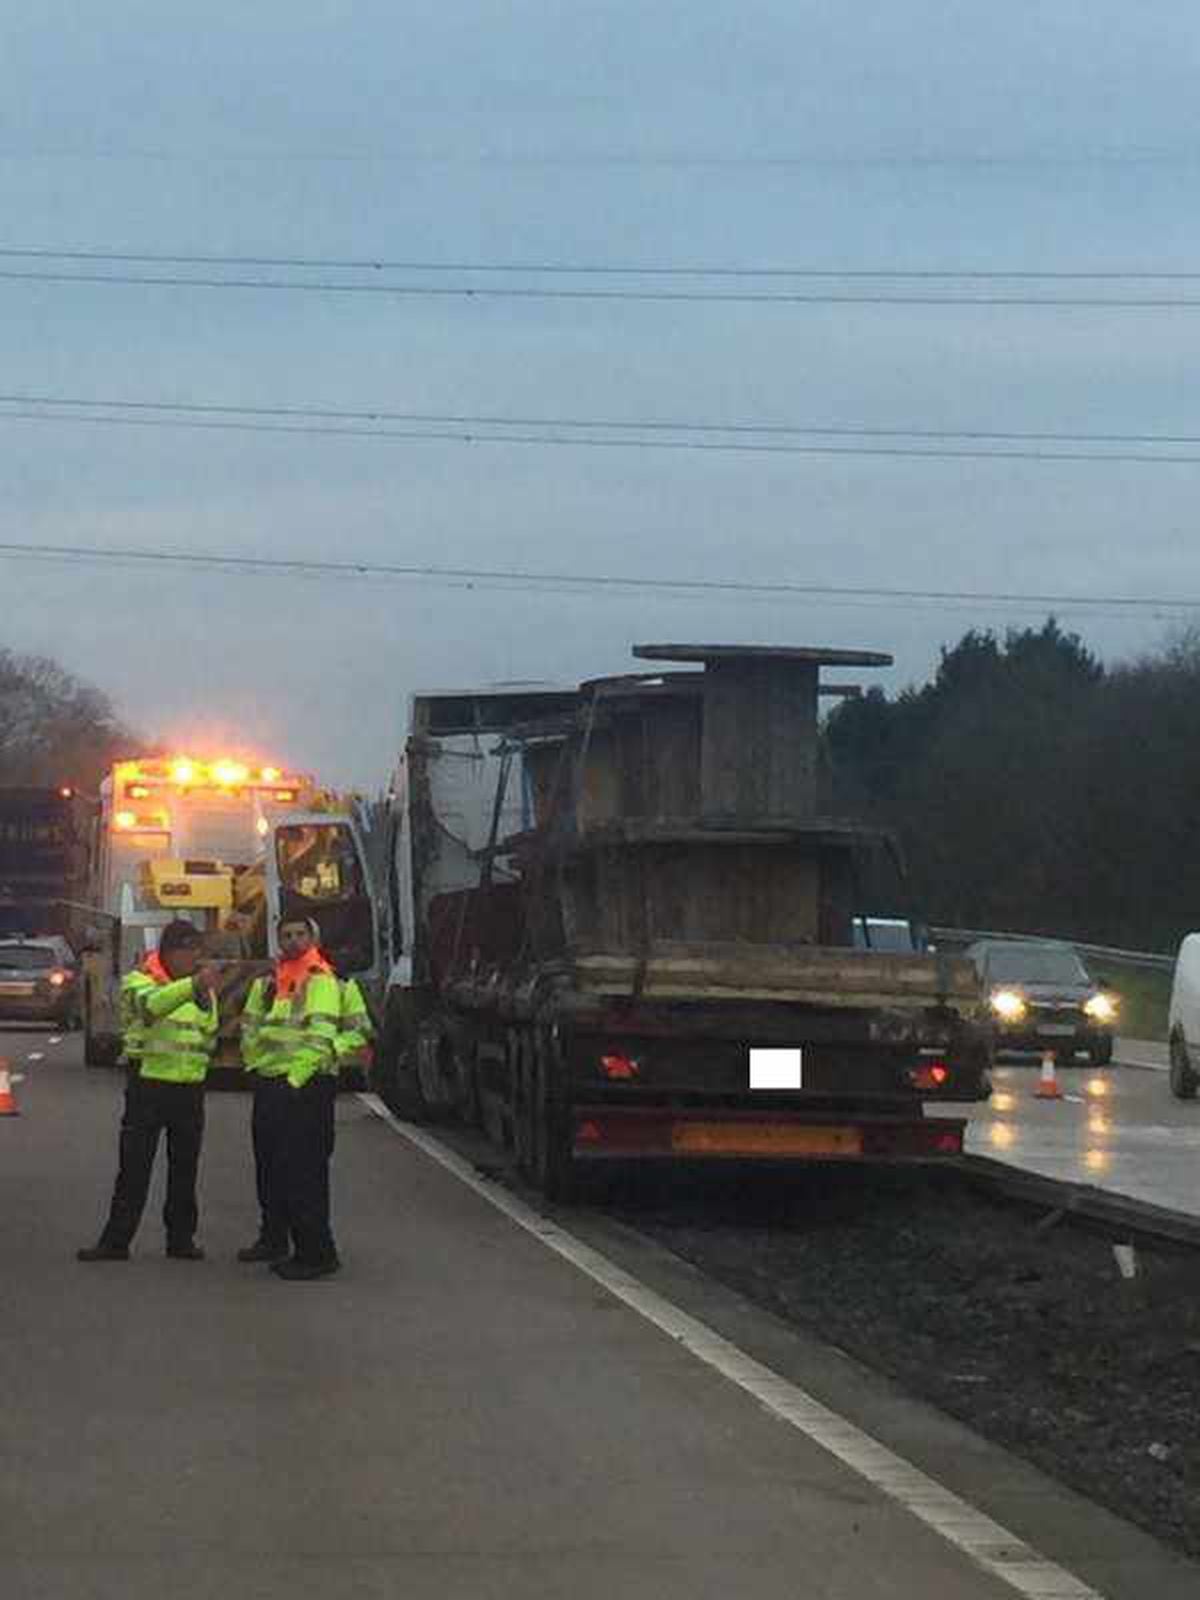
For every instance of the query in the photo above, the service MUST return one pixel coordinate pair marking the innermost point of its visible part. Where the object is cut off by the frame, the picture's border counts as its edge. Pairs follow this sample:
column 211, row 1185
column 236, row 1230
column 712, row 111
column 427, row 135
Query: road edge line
column 984, row 1541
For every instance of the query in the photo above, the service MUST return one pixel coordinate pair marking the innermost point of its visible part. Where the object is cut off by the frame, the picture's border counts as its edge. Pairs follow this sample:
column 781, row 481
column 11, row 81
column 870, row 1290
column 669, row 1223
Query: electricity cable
column 403, row 291
column 322, row 566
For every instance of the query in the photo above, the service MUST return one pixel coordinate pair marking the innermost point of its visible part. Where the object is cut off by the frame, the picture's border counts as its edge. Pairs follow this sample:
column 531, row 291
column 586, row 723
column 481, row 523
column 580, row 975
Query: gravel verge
column 1022, row 1327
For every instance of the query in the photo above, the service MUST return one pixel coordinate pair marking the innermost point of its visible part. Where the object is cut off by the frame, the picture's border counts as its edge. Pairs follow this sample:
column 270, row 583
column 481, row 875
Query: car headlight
column 1102, row 1008
column 1008, row 1005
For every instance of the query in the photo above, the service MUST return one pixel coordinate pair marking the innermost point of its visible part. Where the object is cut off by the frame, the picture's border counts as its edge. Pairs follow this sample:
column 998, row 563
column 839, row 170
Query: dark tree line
column 1034, row 791
column 54, row 728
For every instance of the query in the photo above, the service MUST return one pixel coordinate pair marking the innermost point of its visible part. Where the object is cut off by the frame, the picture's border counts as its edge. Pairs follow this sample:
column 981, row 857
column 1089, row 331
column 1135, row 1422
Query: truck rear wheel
column 1184, row 1081
column 394, row 1071
column 554, row 1168
column 99, row 1050
column 520, row 1077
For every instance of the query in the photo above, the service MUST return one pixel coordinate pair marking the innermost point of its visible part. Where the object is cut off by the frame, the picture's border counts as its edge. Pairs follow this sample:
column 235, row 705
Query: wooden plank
column 765, row 831
column 600, row 789
column 759, row 747
column 817, row 977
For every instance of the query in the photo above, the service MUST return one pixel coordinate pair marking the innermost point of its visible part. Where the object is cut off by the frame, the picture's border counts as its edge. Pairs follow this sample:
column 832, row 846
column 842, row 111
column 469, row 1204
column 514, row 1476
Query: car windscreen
column 882, row 934
column 1035, row 965
column 25, row 958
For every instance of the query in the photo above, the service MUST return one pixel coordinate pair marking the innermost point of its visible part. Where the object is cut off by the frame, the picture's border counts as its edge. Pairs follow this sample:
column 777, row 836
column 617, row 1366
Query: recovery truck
column 623, row 926
column 227, row 846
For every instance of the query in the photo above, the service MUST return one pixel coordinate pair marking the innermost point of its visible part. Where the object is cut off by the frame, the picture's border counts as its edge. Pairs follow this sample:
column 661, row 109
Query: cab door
column 317, row 866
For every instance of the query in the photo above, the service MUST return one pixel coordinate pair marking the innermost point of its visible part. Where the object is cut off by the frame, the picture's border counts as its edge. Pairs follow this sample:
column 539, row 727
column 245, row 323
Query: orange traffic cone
column 8, row 1100
column 1048, row 1088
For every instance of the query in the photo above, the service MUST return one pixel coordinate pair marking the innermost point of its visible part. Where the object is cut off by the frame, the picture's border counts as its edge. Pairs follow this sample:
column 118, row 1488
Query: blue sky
column 843, row 136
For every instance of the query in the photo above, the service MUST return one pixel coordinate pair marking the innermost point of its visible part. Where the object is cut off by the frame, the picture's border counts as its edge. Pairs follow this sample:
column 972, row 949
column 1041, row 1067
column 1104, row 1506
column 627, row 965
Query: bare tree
column 55, row 728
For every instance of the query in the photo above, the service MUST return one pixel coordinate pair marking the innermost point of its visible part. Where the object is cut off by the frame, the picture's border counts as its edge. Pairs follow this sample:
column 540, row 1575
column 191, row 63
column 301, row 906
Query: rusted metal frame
column 489, row 856
column 417, row 751
column 541, row 839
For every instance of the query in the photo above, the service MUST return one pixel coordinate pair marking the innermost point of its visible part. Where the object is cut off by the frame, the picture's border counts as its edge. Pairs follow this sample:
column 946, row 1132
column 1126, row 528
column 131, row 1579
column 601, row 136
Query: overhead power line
column 468, row 433
column 541, row 292
column 614, row 424
column 598, row 269
column 596, row 582
column 634, row 160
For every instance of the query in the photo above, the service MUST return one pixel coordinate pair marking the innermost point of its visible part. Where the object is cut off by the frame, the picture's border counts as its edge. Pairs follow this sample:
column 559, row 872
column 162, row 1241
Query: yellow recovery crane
column 228, row 846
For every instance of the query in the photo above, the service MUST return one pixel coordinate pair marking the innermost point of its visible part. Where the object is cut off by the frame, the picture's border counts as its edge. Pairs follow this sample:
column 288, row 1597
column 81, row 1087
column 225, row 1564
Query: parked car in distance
column 39, row 982
column 1042, row 997
column 1183, row 1020
column 890, row 933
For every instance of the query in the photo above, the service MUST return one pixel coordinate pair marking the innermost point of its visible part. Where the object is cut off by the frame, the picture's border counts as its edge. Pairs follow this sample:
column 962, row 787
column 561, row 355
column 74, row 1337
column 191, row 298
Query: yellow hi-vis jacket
column 167, row 1034
column 357, row 1031
column 293, row 1036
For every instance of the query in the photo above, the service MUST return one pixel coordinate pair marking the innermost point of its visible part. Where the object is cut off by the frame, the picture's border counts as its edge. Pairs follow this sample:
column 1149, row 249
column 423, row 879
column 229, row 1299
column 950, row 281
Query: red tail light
column 618, row 1068
column 930, row 1075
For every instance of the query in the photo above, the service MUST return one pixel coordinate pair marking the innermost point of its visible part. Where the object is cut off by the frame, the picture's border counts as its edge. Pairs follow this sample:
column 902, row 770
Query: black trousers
column 150, row 1107
column 268, row 1135
column 293, row 1135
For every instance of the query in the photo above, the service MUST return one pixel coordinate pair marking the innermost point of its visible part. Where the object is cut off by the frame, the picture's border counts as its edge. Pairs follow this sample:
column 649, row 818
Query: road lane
column 1120, row 1129
column 458, row 1413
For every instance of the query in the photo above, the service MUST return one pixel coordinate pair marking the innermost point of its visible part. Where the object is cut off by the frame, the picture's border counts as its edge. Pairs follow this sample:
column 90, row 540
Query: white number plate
column 776, row 1069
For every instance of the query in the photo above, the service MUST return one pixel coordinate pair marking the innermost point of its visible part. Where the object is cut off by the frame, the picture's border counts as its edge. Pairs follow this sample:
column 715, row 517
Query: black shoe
column 264, row 1250
column 295, row 1271
column 185, row 1252
column 103, row 1252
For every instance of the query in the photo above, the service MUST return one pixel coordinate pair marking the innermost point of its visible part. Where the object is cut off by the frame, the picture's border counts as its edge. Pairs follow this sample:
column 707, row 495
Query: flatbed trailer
column 651, row 918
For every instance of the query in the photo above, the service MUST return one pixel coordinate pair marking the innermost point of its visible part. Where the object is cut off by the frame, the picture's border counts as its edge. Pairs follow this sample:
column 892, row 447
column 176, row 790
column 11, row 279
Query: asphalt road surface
column 1119, row 1128
column 461, row 1412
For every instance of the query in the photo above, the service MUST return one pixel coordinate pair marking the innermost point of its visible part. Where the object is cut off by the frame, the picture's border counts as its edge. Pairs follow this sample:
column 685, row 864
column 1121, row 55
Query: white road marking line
column 36, row 1055
column 56, row 1038
column 16, row 1077
column 984, row 1541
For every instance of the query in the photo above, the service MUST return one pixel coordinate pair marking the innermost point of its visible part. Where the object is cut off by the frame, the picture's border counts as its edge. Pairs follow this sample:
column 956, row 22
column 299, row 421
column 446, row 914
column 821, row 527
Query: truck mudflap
column 636, row 1132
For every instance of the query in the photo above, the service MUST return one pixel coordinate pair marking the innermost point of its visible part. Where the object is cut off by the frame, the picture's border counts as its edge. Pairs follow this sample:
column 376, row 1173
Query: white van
column 1183, row 1020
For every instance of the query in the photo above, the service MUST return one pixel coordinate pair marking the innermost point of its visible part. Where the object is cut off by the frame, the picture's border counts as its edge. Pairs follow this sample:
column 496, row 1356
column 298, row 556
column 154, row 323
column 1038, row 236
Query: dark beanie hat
column 177, row 935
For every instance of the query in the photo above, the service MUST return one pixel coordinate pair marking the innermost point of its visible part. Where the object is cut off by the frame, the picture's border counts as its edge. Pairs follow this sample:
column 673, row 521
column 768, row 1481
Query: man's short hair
column 178, row 935
column 314, row 931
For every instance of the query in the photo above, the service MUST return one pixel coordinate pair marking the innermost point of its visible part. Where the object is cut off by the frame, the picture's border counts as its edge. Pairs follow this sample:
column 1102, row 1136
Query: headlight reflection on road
column 1001, row 1135
column 1003, row 1101
column 1096, row 1160
column 1097, row 1087
column 1098, row 1123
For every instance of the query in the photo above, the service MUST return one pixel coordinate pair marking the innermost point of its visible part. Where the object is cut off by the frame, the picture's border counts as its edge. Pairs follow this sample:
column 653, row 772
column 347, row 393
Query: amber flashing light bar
column 226, row 772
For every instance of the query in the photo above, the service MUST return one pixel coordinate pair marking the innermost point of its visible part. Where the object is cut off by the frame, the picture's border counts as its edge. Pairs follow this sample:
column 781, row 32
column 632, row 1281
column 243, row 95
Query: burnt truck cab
column 677, row 907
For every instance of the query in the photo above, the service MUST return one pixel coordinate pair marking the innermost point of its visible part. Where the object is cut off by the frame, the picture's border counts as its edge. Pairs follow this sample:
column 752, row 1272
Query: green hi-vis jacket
column 357, row 1030
column 166, row 1033
column 295, row 1036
